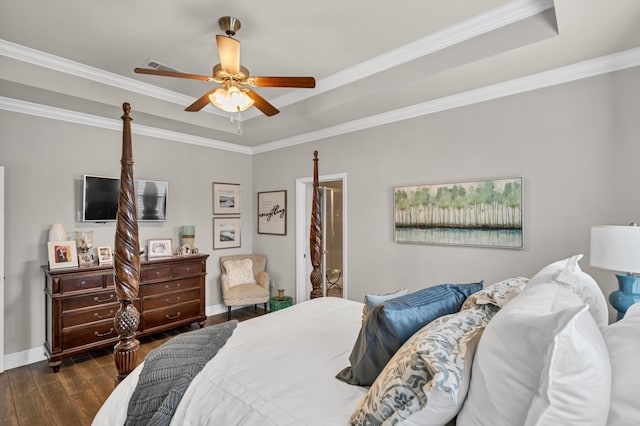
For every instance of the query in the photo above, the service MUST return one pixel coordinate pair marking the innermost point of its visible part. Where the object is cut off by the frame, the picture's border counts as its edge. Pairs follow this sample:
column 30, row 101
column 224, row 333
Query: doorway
column 333, row 190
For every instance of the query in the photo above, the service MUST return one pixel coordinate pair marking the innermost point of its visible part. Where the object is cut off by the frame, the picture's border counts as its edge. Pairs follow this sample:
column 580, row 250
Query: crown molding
column 77, row 69
column 70, row 116
column 473, row 27
column 504, row 15
column 585, row 69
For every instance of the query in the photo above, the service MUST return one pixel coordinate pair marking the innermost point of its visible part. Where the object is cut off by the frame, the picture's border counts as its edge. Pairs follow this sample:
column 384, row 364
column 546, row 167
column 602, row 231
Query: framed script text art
column 272, row 212
column 62, row 254
column 159, row 248
column 226, row 232
column 226, row 198
column 486, row 213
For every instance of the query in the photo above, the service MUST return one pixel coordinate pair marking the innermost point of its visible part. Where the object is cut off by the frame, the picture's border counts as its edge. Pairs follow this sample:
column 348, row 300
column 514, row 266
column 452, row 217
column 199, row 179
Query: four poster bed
column 398, row 358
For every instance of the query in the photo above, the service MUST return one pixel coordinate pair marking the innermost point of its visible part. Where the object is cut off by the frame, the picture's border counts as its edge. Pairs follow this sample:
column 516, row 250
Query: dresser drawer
column 170, row 314
column 90, row 333
column 94, row 299
column 68, row 284
column 87, row 315
column 169, row 299
column 171, row 286
column 187, row 270
column 155, row 273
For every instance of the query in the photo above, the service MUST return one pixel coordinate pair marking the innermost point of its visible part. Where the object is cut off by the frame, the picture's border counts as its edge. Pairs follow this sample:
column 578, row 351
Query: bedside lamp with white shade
column 617, row 248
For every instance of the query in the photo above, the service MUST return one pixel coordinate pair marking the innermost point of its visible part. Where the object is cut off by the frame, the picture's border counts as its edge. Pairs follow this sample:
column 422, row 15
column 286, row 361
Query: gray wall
column 576, row 146
column 44, row 163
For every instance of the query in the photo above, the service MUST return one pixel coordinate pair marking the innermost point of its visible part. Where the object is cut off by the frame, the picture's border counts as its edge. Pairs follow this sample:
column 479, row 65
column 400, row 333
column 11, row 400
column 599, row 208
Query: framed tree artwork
column 486, row 213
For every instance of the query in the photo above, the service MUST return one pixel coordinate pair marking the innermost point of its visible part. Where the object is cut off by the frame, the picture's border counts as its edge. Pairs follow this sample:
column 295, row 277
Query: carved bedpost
column 315, row 235
column 126, row 259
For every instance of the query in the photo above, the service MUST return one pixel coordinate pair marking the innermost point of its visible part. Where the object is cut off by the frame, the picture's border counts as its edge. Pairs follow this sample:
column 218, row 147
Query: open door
column 334, row 222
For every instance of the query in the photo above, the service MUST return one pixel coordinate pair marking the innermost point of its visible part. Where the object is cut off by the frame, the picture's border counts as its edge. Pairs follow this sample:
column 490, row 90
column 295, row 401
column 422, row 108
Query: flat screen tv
column 100, row 199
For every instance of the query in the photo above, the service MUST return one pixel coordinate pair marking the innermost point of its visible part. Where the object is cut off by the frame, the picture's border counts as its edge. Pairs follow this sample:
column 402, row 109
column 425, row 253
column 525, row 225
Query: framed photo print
column 226, row 198
column 62, row 254
column 105, row 256
column 272, row 212
column 226, row 232
column 159, row 248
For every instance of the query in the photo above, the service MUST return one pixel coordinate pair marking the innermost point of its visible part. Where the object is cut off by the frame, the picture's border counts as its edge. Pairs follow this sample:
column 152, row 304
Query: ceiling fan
column 233, row 95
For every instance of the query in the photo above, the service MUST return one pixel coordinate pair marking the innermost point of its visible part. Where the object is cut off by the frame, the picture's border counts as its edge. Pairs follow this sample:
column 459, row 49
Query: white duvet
column 278, row 369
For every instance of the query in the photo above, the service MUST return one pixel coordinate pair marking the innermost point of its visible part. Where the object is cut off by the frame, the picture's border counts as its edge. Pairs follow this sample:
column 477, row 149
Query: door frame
column 1, row 269
column 303, row 221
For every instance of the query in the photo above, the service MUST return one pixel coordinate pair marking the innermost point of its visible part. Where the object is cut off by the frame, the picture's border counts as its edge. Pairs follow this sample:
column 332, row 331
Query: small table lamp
column 617, row 248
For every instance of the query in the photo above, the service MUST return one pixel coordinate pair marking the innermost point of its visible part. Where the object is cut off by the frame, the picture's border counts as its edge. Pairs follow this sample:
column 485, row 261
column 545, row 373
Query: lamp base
column 627, row 294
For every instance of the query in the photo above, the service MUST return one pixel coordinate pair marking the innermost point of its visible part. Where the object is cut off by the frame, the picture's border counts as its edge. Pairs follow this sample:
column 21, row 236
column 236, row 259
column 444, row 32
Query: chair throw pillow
column 239, row 272
column 427, row 380
column 391, row 323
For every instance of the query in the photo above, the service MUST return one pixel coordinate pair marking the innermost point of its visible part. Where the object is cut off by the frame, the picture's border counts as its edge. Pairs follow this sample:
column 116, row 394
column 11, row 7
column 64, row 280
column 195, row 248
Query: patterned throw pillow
column 239, row 272
column 498, row 294
column 428, row 378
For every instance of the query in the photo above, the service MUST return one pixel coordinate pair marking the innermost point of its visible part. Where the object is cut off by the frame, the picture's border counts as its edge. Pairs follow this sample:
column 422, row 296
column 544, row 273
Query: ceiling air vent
column 150, row 63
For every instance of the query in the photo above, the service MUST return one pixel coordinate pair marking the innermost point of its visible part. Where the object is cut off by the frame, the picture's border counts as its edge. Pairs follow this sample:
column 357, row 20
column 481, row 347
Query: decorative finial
column 126, row 107
column 315, row 155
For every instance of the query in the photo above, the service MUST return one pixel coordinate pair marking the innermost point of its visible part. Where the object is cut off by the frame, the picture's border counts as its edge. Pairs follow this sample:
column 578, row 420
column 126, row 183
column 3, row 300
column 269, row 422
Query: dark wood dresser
column 80, row 303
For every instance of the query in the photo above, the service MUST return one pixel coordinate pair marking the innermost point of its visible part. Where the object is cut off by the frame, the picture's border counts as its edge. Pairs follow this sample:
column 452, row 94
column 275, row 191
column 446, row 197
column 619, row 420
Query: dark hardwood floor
column 34, row 395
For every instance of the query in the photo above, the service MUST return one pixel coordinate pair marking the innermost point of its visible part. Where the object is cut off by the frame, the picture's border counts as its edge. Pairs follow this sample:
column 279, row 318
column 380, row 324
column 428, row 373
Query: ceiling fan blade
column 201, row 102
column 172, row 74
column 300, row 82
column 229, row 53
column 261, row 103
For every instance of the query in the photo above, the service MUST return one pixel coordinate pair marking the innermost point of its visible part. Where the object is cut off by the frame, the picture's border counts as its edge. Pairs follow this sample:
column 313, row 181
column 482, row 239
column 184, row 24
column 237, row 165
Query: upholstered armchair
column 244, row 280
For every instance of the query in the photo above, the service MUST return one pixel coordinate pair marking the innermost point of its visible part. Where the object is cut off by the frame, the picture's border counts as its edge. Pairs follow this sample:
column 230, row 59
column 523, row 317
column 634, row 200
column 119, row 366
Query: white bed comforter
column 278, row 369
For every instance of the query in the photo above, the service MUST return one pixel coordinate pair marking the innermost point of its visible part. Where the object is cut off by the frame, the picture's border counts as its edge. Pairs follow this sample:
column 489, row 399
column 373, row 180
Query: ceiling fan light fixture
column 231, row 99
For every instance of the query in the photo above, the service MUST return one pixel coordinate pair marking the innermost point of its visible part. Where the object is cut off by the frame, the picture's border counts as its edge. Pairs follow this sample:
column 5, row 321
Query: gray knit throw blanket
column 168, row 371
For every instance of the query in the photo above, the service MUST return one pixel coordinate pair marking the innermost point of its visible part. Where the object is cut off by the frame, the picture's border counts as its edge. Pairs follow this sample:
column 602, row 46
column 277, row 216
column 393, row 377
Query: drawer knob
column 97, row 299
column 157, row 273
column 168, row 287
column 104, row 334
column 188, row 268
column 174, row 316
column 83, row 284
column 109, row 315
column 170, row 302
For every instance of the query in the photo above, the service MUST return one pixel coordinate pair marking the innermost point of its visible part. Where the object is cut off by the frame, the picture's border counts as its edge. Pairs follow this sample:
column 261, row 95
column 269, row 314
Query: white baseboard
column 27, row 357
column 33, row 355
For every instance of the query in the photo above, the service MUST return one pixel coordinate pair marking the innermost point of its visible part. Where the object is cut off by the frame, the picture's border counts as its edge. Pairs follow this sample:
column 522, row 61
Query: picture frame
column 272, row 212
column 62, row 254
column 105, row 255
column 226, row 198
column 226, row 232
column 158, row 248
column 484, row 213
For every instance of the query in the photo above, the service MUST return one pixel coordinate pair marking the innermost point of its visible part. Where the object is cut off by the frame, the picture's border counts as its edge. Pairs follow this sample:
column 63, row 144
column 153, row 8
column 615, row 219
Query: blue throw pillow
column 393, row 322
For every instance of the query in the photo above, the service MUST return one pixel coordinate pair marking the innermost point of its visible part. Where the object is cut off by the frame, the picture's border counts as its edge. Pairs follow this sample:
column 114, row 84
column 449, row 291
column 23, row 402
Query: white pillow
column 239, row 272
column 623, row 342
column 541, row 361
column 426, row 381
column 567, row 273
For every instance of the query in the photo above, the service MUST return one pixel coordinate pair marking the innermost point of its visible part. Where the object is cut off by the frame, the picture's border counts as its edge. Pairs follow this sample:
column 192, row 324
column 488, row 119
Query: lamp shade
column 616, row 248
